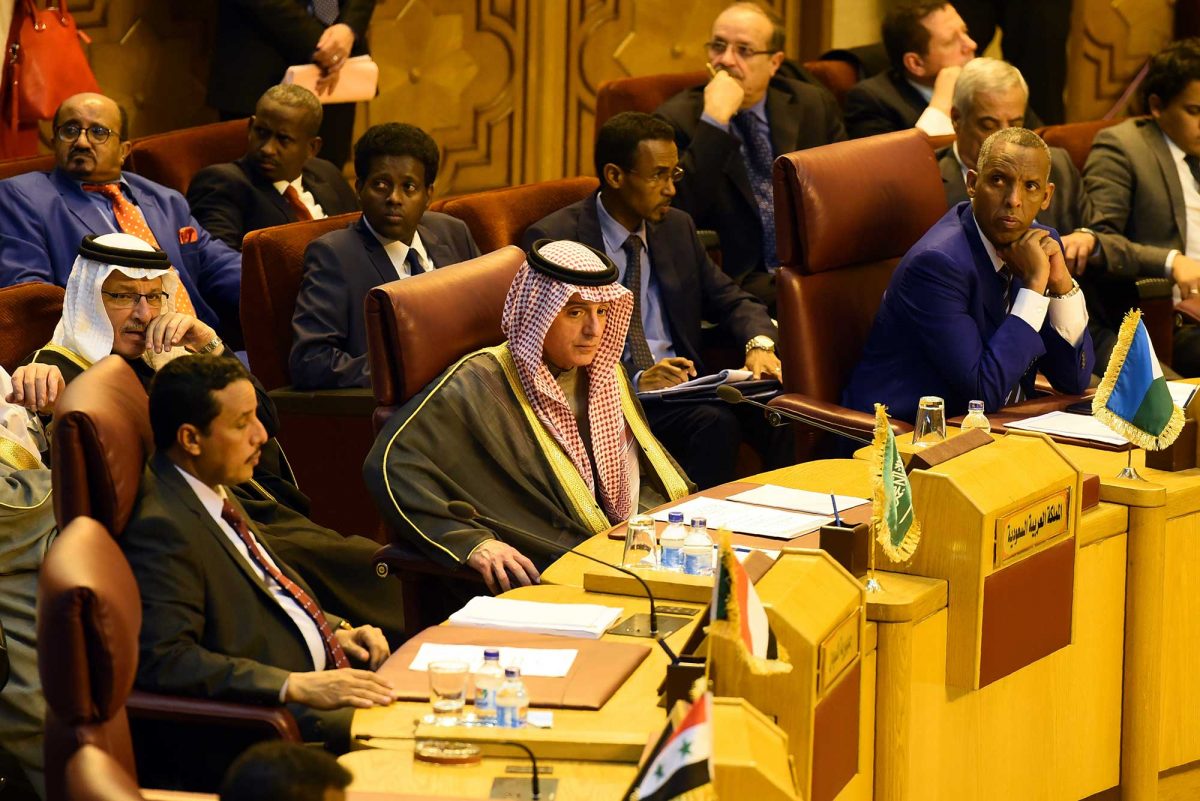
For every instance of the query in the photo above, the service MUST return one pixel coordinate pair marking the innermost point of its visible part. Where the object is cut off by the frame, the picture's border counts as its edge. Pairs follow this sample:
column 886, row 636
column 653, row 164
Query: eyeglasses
column 97, row 134
column 662, row 176
column 127, row 300
column 744, row 52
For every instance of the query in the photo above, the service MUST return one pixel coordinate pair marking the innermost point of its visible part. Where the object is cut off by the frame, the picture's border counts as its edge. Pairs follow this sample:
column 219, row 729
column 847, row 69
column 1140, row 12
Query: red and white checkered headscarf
column 534, row 301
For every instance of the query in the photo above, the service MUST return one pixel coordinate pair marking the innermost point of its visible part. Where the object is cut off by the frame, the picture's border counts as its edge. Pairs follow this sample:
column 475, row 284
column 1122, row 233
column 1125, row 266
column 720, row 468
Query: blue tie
column 756, row 146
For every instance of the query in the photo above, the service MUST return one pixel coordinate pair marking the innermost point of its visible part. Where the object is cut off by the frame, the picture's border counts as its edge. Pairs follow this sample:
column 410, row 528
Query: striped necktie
column 325, row 10
column 1017, row 393
column 756, row 147
column 639, row 349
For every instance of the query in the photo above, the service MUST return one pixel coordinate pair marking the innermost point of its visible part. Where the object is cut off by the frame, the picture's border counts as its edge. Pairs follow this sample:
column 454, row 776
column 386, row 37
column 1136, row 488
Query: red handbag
column 46, row 63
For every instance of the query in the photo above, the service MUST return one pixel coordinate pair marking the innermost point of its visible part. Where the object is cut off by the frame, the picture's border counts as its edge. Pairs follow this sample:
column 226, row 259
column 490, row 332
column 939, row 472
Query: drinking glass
column 641, row 543
column 448, row 689
column 930, row 428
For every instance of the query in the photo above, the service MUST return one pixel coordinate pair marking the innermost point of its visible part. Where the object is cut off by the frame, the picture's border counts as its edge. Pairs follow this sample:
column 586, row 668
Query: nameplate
column 1032, row 525
column 837, row 652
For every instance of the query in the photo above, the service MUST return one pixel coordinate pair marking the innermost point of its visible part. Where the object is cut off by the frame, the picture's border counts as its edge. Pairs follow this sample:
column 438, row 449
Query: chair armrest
column 1154, row 288
column 154, row 706
column 402, row 559
column 356, row 402
column 850, row 421
column 1187, row 312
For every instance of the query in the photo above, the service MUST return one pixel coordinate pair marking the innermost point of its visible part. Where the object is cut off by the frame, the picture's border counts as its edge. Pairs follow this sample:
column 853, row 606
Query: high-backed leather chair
column 499, row 217
column 325, row 433
column 172, row 158
column 93, row 775
column 642, row 93
column 838, row 76
column 1076, row 137
column 13, row 167
column 28, row 314
column 845, row 214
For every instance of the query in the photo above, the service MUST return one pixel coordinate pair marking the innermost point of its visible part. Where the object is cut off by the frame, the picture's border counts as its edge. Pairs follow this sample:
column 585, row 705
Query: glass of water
column 448, row 689
column 641, row 543
column 930, row 428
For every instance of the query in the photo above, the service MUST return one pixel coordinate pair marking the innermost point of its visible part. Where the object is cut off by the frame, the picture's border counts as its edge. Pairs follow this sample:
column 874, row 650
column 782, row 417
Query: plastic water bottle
column 975, row 418
column 670, row 543
column 487, row 681
column 512, row 702
column 698, row 549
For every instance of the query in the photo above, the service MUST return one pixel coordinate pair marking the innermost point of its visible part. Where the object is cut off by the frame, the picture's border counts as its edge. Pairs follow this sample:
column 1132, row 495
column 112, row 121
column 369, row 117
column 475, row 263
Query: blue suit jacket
column 44, row 217
column 943, row 330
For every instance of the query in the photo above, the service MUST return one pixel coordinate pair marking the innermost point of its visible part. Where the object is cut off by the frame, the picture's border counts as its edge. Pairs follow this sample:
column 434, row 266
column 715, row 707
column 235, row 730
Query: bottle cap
column 699, row 522
column 675, row 517
column 512, row 673
column 491, row 653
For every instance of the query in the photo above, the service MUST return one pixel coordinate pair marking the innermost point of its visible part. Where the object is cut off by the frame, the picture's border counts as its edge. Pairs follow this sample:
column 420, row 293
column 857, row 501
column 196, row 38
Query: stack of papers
column 745, row 519
column 550, row 663
column 818, row 503
column 1065, row 424
column 567, row 620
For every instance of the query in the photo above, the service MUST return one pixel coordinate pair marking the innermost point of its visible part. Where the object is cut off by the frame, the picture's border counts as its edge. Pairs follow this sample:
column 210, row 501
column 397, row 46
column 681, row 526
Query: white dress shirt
column 310, row 202
column 932, row 121
column 397, row 251
column 1191, row 202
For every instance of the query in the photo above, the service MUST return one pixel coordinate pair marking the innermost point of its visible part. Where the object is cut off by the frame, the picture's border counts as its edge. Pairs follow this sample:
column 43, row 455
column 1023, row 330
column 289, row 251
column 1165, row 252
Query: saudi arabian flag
column 896, row 529
column 1133, row 399
column 681, row 768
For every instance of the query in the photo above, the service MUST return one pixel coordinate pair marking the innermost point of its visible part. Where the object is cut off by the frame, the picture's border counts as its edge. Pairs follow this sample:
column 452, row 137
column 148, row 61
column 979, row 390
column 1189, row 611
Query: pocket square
column 187, row 235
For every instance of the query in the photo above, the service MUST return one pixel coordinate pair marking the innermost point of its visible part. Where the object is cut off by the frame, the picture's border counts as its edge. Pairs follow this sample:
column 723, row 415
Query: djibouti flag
column 1133, row 399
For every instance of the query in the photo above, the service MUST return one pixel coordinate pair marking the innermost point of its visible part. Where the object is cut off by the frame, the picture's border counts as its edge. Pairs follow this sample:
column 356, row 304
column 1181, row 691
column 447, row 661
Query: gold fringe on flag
column 1100, row 410
column 879, row 523
column 730, row 629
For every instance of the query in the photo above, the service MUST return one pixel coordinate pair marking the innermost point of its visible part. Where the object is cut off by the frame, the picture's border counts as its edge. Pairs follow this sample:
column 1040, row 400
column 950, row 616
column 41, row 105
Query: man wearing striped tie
column 222, row 616
column 984, row 301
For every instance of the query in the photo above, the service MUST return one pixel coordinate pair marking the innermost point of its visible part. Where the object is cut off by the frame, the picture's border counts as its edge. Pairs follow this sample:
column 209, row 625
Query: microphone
column 775, row 416
column 634, row 625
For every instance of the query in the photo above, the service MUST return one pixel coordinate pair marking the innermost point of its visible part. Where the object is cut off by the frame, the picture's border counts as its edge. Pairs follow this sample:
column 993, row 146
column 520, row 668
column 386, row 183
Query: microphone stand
column 775, row 417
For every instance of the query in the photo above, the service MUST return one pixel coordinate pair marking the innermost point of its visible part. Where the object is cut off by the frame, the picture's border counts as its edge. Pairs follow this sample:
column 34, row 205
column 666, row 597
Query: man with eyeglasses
column 675, row 287
column 730, row 131
column 44, row 215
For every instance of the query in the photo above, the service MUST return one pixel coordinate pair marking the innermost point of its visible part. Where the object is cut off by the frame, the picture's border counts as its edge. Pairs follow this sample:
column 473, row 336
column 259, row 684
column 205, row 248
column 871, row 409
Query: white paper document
column 568, row 620
column 1182, row 393
column 797, row 500
column 550, row 663
column 1065, row 424
column 712, row 380
column 746, row 519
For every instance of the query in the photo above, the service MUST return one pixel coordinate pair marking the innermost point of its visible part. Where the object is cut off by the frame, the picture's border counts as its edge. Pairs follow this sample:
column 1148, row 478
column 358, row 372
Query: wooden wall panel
column 1110, row 41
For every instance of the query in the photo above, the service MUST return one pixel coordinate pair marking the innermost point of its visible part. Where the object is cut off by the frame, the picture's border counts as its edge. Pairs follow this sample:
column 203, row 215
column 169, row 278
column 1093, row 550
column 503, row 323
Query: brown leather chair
column 325, row 433
column 499, row 217
column 13, row 167
column 172, row 158
column 838, row 76
column 1075, row 137
column 93, row 775
column 845, row 214
column 643, row 93
column 28, row 314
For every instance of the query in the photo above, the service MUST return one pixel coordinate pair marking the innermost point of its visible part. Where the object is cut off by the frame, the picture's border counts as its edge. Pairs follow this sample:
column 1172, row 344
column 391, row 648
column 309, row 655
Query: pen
column 837, row 518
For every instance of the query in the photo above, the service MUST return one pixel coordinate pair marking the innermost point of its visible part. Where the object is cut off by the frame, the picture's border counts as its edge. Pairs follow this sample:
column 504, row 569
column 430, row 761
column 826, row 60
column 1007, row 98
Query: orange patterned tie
column 298, row 208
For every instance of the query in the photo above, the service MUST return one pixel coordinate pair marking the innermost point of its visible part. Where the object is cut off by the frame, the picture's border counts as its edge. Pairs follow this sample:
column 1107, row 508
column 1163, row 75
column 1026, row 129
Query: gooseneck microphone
column 775, row 416
column 633, row 626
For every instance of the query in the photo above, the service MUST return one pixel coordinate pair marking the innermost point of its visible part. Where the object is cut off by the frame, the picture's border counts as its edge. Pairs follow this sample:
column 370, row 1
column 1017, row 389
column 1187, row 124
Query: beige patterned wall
column 1110, row 41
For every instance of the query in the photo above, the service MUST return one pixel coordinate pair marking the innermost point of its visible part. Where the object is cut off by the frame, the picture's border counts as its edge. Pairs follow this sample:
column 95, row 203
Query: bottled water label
column 485, row 700
column 697, row 564
column 672, row 558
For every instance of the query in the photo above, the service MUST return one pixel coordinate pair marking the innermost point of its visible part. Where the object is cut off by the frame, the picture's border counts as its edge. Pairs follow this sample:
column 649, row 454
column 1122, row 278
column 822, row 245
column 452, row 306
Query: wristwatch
column 760, row 342
column 1074, row 290
column 213, row 344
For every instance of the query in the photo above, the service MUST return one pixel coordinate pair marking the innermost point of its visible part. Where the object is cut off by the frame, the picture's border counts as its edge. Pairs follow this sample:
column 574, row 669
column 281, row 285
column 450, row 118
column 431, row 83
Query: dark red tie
column 293, row 199
column 333, row 649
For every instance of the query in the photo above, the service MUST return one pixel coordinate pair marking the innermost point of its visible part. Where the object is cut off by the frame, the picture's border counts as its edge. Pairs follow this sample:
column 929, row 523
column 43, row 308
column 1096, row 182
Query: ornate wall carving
column 1110, row 41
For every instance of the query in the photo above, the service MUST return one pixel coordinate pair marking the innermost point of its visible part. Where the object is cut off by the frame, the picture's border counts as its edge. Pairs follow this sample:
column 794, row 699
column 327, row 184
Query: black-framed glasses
column 660, row 176
column 718, row 47
column 97, row 134
column 127, row 300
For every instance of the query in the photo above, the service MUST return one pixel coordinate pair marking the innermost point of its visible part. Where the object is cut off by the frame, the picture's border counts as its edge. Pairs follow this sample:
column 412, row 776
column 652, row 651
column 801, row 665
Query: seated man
column 992, row 95
column 279, row 180
column 1142, row 178
column 983, row 301
column 675, row 287
column 542, row 432
column 121, row 299
column 927, row 44
column 396, row 165
column 43, row 216
column 223, row 617
column 730, row 131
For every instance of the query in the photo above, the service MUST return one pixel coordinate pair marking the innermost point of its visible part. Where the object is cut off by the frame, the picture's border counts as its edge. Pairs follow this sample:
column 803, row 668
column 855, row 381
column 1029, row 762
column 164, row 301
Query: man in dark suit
column 927, row 44
column 44, row 216
column 222, row 616
column 279, row 180
column 983, row 301
column 396, row 166
column 730, row 131
column 676, row 286
column 257, row 40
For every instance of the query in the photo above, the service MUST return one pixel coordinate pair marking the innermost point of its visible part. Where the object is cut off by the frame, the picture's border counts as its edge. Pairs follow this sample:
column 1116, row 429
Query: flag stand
column 872, row 585
column 1130, row 472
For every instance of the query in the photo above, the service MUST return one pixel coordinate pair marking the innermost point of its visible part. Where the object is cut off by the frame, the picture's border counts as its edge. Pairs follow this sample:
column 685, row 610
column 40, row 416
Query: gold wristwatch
column 760, row 342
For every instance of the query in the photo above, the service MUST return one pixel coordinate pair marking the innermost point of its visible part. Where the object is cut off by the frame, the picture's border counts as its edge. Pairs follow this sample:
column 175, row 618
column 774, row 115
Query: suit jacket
column 329, row 346
column 716, row 189
column 1136, row 195
column 943, row 330
column 257, row 40
column 231, row 200
column 691, row 286
column 44, row 217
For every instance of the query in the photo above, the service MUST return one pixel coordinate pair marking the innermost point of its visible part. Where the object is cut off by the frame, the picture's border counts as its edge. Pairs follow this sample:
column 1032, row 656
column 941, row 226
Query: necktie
column 297, row 205
column 325, row 10
column 1017, row 393
column 756, row 144
column 1193, row 163
column 639, row 349
column 414, row 262
column 129, row 217
column 333, row 649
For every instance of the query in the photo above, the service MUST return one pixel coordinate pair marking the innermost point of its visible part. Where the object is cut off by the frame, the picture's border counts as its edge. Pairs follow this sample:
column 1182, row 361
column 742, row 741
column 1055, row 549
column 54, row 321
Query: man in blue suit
column 44, row 216
column 983, row 301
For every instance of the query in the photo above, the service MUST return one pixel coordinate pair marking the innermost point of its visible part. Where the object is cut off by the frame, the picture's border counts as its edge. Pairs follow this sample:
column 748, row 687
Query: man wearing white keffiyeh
column 542, row 432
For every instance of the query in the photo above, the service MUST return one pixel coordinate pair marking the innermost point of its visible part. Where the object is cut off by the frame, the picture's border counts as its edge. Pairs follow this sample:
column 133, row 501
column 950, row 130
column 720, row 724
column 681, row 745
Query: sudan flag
column 1133, row 399
column 681, row 767
column 735, row 600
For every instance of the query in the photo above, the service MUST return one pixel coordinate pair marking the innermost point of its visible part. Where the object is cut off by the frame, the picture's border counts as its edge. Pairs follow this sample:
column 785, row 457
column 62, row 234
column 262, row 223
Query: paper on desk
column 746, row 519
column 568, row 620
column 1065, row 424
column 1181, row 393
column 713, row 380
column 550, row 663
column 797, row 500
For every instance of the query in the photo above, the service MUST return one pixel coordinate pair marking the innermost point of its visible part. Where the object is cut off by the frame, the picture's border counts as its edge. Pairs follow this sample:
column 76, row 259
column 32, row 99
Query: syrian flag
column 735, row 600
column 681, row 767
column 1133, row 399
